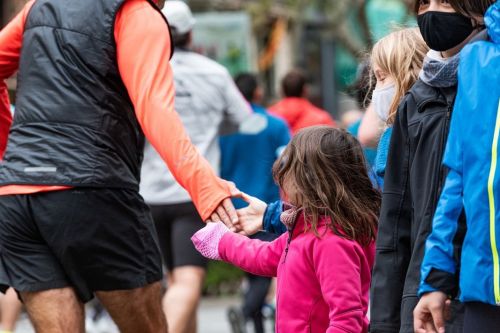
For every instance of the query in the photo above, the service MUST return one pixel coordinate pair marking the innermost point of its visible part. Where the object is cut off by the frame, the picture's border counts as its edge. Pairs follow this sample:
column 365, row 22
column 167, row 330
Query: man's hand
column 226, row 212
column 250, row 217
column 431, row 312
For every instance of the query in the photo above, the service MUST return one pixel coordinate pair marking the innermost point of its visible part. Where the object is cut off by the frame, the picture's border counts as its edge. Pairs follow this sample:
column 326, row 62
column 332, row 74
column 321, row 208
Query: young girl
column 396, row 61
column 324, row 262
column 414, row 173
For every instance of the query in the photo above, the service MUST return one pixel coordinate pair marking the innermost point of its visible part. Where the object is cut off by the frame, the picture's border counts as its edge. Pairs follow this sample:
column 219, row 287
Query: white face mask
column 382, row 100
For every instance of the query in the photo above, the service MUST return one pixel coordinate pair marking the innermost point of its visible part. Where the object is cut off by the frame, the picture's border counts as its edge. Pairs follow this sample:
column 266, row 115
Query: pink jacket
column 323, row 283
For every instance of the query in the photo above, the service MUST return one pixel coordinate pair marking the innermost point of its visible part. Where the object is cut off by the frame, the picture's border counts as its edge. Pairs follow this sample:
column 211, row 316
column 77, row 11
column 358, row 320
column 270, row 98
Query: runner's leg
column 10, row 309
column 136, row 310
column 55, row 311
column 182, row 298
column 175, row 225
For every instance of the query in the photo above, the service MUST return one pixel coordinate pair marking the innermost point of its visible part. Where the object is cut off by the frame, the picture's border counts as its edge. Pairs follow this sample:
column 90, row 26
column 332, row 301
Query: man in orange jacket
column 93, row 80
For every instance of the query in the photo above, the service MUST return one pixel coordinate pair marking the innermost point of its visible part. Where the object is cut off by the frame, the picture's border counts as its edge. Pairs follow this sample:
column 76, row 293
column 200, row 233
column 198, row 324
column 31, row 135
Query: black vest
column 74, row 124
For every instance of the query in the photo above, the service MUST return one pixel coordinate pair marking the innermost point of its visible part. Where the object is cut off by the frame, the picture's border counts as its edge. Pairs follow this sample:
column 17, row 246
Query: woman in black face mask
column 414, row 174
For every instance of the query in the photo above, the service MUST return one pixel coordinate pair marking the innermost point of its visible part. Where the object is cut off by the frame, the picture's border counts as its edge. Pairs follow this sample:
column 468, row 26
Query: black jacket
column 75, row 123
column 413, row 180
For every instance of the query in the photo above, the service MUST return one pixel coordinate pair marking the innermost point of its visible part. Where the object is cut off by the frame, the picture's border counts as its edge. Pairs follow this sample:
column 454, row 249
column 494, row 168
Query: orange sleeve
column 143, row 49
column 11, row 39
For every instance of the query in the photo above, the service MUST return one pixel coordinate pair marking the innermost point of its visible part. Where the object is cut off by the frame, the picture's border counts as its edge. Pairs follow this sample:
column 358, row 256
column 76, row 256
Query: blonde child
column 396, row 61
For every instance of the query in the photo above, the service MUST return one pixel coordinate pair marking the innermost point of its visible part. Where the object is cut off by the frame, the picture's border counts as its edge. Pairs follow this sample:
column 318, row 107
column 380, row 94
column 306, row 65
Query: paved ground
column 211, row 318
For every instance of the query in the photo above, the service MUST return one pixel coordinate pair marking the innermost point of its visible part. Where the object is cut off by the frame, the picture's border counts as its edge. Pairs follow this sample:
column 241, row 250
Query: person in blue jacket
column 473, row 184
column 266, row 137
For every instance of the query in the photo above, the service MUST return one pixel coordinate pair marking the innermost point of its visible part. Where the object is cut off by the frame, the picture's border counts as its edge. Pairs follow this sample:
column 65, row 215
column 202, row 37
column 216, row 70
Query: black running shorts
column 176, row 224
column 88, row 239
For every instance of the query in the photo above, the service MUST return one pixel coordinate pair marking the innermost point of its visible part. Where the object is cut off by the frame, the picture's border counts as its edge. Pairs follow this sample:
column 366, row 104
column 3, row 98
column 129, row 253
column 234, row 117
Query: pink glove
column 206, row 240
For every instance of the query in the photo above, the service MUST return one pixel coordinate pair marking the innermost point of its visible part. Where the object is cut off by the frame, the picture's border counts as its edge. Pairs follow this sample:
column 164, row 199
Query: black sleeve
column 393, row 241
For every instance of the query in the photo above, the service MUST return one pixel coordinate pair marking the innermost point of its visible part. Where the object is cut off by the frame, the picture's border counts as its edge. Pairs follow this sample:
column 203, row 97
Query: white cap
column 179, row 16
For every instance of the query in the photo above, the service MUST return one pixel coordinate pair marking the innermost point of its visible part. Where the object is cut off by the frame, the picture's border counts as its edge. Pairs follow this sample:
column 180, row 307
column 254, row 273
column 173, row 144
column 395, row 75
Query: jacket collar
column 423, row 95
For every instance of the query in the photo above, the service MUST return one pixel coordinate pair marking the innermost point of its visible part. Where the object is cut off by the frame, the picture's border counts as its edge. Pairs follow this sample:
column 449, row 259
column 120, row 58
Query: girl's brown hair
column 400, row 55
column 469, row 8
column 329, row 174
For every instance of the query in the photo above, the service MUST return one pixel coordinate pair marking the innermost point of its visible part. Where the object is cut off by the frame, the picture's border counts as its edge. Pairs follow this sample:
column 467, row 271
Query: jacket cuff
column 272, row 217
column 439, row 280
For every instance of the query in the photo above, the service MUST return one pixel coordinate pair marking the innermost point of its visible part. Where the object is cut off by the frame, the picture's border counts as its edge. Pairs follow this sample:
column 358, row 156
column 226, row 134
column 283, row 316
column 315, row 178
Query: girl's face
column 435, row 6
column 383, row 95
column 383, row 79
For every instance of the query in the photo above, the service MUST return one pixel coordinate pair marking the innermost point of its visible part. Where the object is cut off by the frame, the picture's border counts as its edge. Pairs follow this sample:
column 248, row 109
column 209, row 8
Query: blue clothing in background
column 381, row 159
column 247, row 158
column 271, row 221
column 370, row 153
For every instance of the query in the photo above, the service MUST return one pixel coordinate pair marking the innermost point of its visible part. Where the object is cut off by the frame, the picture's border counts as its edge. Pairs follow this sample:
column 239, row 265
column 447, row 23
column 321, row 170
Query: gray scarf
column 438, row 72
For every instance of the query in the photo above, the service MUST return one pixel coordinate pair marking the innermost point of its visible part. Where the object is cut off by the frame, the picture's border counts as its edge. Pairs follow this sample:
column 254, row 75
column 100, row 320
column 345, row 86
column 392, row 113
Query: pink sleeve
column 252, row 255
column 337, row 266
column 143, row 49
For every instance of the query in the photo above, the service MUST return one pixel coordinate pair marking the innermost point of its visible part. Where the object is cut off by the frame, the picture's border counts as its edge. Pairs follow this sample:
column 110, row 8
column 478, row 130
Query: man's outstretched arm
column 143, row 49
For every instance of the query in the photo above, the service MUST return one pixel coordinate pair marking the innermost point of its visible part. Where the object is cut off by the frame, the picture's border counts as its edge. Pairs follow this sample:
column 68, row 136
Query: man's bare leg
column 10, row 308
column 182, row 297
column 136, row 310
column 55, row 311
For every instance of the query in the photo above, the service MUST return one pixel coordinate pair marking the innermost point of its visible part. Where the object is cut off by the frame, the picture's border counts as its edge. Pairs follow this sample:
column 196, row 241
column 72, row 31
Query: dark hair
column 362, row 88
column 180, row 40
column 468, row 8
column 293, row 84
column 328, row 170
column 247, row 84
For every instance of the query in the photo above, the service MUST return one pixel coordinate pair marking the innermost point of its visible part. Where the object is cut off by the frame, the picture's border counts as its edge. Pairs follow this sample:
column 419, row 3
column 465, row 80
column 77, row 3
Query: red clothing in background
column 143, row 46
column 300, row 113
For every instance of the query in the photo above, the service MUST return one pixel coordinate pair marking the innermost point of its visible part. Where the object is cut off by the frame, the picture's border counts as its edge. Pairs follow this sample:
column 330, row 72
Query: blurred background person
column 295, row 108
column 208, row 103
column 362, row 90
column 266, row 136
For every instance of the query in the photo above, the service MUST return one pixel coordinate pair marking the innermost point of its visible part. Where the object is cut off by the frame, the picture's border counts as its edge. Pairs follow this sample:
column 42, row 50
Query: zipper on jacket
column 444, row 140
column 491, row 199
column 289, row 240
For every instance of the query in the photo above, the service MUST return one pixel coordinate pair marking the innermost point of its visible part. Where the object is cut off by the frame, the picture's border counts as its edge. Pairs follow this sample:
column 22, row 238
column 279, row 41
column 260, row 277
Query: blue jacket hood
column 492, row 21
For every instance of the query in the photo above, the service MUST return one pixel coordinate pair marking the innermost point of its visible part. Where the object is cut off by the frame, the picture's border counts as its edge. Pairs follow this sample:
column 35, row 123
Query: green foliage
column 222, row 279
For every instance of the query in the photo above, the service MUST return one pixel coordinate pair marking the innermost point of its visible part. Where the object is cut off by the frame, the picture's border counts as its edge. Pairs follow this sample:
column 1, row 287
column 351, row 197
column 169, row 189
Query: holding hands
column 250, row 218
column 246, row 221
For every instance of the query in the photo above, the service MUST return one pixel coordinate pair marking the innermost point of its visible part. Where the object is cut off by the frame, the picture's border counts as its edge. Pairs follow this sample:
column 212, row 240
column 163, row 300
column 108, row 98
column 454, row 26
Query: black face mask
column 444, row 31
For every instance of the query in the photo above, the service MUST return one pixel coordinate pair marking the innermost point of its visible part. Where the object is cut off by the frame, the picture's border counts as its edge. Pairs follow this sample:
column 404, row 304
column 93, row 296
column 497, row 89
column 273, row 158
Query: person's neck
column 456, row 50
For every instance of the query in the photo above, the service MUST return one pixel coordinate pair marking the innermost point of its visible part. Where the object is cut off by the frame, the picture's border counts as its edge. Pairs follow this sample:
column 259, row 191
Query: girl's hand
column 250, row 218
column 206, row 240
